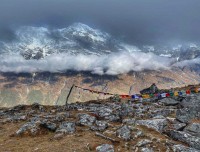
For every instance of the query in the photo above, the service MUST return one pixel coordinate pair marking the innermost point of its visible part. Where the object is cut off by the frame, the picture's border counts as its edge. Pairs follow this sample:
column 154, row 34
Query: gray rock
column 35, row 105
column 186, row 114
column 159, row 117
column 105, row 148
column 16, row 118
column 143, row 142
column 99, row 126
column 129, row 121
column 191, row 108
column 61, row 117
column 49, row 125
column 30, row 128
column 126, row 110
column 124, row 132
column 178, row 126
column 192, row 141
column 162, row 112
column 193, row 129
column 103, row 112
column 86, row 120
column 113, row 118
column 191, row 101
column 19, row 108
column 139, row 133
column 146, row 150
column 66, row 128
column 175, row 125
column 169, row 102
column 157, row 124
column 181, row 148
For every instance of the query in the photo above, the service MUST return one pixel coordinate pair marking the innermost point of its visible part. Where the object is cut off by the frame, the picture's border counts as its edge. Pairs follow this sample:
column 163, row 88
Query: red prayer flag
column 188, row 92
column 167, row 94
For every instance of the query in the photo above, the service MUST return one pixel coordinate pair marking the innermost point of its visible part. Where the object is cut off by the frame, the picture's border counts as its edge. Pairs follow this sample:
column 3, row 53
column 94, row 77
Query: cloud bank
column 112, row 64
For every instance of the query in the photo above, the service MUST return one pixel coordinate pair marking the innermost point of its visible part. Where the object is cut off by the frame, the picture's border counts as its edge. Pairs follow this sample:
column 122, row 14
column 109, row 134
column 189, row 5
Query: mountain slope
column 52, row 89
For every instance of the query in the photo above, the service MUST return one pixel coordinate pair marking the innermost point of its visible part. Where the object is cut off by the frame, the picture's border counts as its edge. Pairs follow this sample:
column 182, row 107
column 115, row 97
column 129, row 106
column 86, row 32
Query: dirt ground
column 80, row 142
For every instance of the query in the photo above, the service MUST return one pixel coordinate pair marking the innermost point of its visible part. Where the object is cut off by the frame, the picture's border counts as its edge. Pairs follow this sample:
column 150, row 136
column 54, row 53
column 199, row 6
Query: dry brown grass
column 81, row 142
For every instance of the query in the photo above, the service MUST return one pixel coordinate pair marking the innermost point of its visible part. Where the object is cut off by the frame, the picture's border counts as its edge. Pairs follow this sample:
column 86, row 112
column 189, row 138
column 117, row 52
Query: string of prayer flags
column 146, row 96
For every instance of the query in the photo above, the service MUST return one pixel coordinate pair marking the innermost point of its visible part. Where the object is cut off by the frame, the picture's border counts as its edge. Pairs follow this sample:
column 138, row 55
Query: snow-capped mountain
column 180, row 52
column 71, row 48
column 38, row 42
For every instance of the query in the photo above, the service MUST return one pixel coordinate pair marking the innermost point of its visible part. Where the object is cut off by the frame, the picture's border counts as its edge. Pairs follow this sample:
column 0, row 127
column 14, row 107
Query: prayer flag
column 171, row 94
column 188, row 92
column 180, row 93
column 176, row 93
column 163, row 95
column 167, row 94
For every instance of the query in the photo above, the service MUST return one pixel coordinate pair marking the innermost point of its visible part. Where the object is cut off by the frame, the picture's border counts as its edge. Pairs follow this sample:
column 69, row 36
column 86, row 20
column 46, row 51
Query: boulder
column 113, row 118
column 191, row 101
column 19, row 108
column 30, row 128
column 178, row 126
column 181, row 148
column 124, row 132
column 191, row 108
column 193, row 129
column 126, row 110
column 185, row 115
column 192, row 141
column 103, row 112
column 86, row 120
column 66, row 128
column 169, row 102
column 138, row 134
column 146, row 149
column 143, row 142
column 105, row 148
column 129, row 121
column 17, row 118
column 99, row 126
column 49, row 125
column 162, row 112
column 175, row 125
column 157, row 124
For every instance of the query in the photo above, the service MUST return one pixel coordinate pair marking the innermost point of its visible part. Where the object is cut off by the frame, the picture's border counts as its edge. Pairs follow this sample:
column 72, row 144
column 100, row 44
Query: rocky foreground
column 169, row 124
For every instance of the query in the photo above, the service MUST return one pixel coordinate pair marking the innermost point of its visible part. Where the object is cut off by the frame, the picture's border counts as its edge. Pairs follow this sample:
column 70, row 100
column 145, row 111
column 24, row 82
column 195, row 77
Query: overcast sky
column 136, row 21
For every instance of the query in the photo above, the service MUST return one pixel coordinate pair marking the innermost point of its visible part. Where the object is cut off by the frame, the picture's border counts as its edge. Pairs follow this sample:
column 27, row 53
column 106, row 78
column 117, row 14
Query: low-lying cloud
column 111, row 64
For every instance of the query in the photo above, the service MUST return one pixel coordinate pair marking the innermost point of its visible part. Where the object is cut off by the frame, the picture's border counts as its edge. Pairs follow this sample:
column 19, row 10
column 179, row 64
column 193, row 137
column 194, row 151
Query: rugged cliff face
column 52, row 89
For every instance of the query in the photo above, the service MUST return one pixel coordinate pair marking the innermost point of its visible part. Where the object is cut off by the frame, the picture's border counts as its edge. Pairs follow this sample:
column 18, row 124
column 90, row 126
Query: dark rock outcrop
column 192, row 141
column 124, row 132
column 157, row 124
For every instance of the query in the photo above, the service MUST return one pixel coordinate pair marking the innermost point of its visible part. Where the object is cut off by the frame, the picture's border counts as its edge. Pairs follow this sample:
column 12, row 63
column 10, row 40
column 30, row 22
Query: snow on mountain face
column 38, row 42
column 81, row 47
column 79, row 30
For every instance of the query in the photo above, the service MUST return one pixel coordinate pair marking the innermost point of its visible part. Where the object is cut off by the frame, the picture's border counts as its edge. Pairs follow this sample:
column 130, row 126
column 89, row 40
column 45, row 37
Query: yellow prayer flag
column 176, row 93
column 145, row 96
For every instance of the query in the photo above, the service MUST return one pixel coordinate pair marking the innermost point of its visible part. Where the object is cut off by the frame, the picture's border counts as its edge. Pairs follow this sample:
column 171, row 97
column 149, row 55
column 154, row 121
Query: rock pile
column 167, row 124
